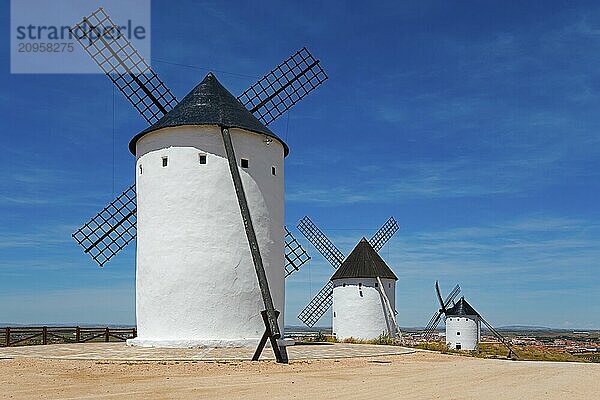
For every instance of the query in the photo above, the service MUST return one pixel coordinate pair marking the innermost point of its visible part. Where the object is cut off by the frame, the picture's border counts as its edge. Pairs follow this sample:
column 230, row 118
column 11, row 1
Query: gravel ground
column 421, row 375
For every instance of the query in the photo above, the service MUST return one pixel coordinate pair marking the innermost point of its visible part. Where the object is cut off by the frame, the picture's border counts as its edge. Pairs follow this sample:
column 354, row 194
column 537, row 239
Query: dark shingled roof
column 364, row 262
column 461, row 308
column 209, row 103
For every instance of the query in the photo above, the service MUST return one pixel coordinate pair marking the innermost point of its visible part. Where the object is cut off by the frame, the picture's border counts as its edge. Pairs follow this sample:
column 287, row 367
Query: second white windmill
column 362, row 290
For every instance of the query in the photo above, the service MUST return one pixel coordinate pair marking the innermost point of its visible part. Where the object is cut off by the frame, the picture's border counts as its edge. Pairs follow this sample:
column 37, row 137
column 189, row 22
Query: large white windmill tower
column 195, row 281
column 364, row 296
column 207, row 206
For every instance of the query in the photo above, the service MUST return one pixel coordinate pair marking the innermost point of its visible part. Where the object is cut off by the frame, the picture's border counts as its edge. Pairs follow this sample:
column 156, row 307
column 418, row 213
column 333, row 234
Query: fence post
column 106, row 333
column 77, row 334
column 7, row 333
column 45, row 335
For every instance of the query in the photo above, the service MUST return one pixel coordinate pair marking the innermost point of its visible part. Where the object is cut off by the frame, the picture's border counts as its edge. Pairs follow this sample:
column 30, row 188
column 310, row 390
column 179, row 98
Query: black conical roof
column 209, row 103
column 461, row 308
column 364, row 262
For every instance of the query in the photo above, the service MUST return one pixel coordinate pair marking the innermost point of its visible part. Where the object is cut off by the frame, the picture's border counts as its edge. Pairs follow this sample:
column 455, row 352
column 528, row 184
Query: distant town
column 536, row 343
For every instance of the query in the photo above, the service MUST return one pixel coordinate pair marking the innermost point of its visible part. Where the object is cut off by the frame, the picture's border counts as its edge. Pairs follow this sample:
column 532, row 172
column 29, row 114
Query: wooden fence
column 35, row 335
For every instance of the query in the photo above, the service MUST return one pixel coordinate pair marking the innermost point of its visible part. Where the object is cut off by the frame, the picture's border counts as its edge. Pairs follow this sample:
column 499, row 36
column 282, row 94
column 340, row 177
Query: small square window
column 244, row 163
column 165, row 161
column 273, row 171
column 457, row 333
column 376, row 284
column 202, row 158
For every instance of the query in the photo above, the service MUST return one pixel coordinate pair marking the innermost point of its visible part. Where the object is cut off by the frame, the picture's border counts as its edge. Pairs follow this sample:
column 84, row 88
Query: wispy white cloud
column 547, row 248
column 37, row 186
column 379, row 183
column 56, row 235
column 584, row 27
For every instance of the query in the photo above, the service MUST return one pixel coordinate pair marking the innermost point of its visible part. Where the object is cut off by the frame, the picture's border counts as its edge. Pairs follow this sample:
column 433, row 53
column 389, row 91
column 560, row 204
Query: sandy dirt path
column 421, row 375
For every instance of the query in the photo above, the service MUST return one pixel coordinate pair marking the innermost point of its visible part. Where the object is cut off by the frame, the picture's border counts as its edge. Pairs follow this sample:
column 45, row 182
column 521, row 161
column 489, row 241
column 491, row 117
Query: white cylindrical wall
column 195, row 280
column 463, row 332
column 359, row 310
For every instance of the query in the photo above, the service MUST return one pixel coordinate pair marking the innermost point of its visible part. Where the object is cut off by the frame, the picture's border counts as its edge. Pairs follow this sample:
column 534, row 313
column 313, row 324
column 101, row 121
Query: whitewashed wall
column 195, row 280
column 358, row 310
column 463, row 330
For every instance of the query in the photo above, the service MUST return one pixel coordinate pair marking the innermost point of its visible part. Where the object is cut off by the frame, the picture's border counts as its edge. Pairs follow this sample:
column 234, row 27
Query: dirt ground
column 422, row 375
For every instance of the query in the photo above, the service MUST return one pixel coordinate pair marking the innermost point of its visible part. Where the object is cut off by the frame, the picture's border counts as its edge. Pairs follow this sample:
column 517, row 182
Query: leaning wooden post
column 44, row 335
column 106, row 335
column 7, row 333
column 77, row 334
column 270, row 314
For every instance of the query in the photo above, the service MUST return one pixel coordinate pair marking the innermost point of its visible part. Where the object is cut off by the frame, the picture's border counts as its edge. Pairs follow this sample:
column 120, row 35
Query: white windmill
column 362, row 290
column 209, row 215
column 364, row 296
column 463, row 326
column 463, row 323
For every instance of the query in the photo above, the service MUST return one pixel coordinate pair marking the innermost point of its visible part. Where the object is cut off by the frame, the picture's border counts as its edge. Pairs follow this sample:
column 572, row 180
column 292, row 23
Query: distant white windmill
column 463, row 326
column 463, row 323
column 362, row 290
column 207, row 206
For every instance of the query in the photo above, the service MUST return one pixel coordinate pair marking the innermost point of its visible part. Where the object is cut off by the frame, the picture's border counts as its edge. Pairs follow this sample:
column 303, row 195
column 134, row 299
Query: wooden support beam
column 280, row 352
column 390, row 310
column 269, row 314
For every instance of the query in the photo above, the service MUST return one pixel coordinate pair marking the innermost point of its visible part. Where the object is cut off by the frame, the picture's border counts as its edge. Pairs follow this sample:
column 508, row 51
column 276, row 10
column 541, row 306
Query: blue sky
column 475, row 124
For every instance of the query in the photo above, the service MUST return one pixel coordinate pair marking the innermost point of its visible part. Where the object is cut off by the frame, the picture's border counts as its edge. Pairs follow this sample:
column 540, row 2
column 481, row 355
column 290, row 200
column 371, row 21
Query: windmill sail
column 295, row 255
column 437, row 316
column 318, row 239
column 267, row 99
column 284, row 86
column 124, row 65
column 384, row 234
column 318, row 306
column 432, row 324
column 111, row 229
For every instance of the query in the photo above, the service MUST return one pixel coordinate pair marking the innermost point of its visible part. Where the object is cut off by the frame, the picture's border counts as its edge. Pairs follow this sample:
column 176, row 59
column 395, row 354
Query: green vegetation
column 496, row 350
column 591, row 357
column 381, row 339
column 435, row 346
column 320, row 337
column 531, row 353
